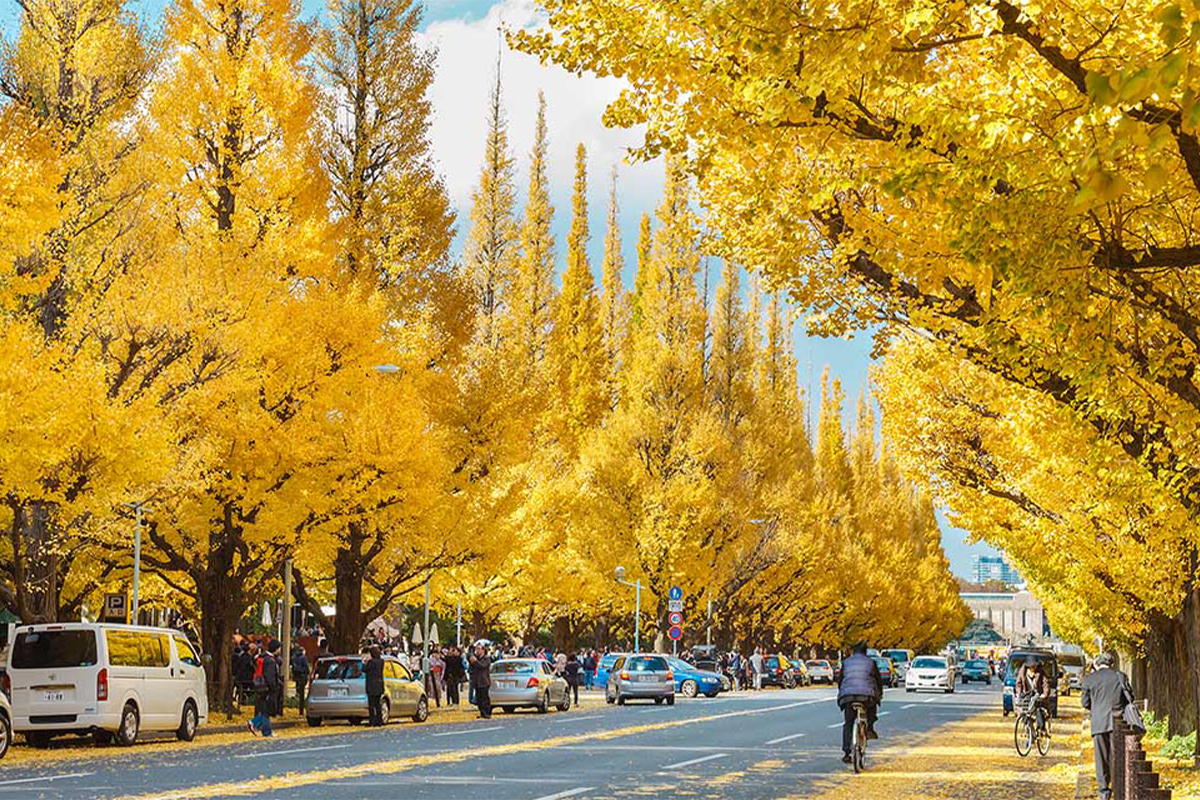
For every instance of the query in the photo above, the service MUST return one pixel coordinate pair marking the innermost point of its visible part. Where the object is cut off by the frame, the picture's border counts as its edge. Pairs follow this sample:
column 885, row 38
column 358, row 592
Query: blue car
column 606, row 662
column 976, row 670
column 1049, row 664
column 690, row 681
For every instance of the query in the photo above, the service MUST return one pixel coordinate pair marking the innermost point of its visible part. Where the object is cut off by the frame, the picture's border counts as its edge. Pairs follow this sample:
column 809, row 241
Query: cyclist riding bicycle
column 860, row 683
column 1032, row 682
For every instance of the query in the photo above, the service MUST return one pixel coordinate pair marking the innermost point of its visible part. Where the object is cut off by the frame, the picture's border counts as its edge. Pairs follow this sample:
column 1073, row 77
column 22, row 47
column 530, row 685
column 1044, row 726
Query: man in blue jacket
column 860, row 683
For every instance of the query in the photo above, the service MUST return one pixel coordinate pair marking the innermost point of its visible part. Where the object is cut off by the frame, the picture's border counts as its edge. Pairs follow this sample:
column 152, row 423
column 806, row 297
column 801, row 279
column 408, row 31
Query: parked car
column 1049, row 664
column 645, row 676
column 339, row 691
column 930, row 672
column 820, row 671
column 528, row 683
column 976, row 670
column 104, row 679
column 6, row 731
column 800, row 674
column 777, row 671
column 1072, row 667
column 900, row 659
column 837, row 672
column 691, row 680
column 603, row 667
column 887, row 671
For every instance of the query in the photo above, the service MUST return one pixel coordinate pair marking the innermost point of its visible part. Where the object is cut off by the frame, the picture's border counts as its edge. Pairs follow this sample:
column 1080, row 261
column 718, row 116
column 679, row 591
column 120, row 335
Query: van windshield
column 54, row 649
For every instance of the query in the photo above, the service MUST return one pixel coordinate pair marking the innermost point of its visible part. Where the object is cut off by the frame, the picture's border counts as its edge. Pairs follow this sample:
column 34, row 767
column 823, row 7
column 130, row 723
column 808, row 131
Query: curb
column 1085, row 781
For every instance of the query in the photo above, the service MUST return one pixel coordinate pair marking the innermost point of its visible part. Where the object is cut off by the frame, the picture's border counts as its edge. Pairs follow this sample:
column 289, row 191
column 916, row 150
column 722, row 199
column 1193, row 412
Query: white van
column 109, row 680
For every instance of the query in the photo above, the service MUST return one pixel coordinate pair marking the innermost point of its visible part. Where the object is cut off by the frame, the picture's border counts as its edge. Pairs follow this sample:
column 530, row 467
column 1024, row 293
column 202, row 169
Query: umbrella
column 484, row 642
column 417, row 638
column 433, row 633
column 266, row 615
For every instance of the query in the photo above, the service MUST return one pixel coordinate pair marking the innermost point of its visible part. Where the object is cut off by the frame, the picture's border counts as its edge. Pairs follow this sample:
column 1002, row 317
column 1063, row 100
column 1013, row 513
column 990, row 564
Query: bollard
column 1135, row 761
column 1117, row 760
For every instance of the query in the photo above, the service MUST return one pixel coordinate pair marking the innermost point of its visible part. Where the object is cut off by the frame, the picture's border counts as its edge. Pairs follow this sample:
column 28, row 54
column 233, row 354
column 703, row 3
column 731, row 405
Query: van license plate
column 338, row 692
column 54, row 697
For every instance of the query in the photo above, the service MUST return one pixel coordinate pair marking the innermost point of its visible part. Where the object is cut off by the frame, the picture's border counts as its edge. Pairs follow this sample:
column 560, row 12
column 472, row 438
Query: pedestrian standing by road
column 573, row 672
column 589, row 669
column 560, row 664
column 266, row 674
column 275, row 649
column 481, row 681
column 300, row 672
column 455, row 675
column 756, row 664
column 373, row 672
column 436, row 667
column 735, row 666
column 1104, row 691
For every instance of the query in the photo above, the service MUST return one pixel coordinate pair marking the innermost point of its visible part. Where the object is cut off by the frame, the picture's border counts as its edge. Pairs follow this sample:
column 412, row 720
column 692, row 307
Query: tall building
column 994, row 568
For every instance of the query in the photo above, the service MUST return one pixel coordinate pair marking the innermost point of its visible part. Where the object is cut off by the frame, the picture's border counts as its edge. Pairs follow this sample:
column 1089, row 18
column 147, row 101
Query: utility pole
column 708, row 632
column 137, row 558
column 285, row 620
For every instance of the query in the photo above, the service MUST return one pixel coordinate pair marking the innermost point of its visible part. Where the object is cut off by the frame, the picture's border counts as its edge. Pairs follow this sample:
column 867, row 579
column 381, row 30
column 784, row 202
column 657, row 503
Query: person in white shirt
column 756, row 661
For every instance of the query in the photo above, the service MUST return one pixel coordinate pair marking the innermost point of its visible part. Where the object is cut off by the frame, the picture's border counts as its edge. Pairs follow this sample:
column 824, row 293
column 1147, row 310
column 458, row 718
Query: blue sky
column 465, row 32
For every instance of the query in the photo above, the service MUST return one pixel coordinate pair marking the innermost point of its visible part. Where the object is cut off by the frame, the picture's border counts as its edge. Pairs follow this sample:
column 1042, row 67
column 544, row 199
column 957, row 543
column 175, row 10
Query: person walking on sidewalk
column 455, row 675
column 481, row 681
column 373, row 672
column 1104, row 691
column 266, row 675
column 573, row 672
column 300, row 671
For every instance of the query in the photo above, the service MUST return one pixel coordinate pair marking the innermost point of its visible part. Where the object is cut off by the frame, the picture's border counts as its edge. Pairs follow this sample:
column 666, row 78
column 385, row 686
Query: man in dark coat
column 300, row 672
column 1104, row 691
column 455, row 674
column 481, row 681
column 860, row 683
column 373, row 672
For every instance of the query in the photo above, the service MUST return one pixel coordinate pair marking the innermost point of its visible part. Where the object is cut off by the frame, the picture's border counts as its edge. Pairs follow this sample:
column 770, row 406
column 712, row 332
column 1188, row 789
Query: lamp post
column 137, row 507
column 637, row 613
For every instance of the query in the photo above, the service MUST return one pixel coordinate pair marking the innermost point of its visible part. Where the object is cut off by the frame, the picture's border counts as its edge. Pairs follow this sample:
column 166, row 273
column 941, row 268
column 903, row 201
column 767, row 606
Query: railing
column 1133, row 774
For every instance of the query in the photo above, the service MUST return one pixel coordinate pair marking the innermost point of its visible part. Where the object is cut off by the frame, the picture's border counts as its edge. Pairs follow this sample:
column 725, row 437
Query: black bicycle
column 858, row 749
column 1032, row 728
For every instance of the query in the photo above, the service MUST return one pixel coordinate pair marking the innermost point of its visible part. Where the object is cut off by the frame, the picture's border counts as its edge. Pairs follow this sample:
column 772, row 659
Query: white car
column 820, row 671
column 930, row 672
column 107, row 680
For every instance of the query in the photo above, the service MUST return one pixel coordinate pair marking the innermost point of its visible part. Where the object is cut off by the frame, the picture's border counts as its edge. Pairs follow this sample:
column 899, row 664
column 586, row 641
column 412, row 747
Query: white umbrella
column 417, row 638
column 266, row 615
column 433, row 633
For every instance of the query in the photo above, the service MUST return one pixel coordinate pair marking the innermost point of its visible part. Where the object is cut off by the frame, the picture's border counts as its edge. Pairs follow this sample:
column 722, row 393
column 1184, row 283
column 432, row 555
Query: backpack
column 260, row 682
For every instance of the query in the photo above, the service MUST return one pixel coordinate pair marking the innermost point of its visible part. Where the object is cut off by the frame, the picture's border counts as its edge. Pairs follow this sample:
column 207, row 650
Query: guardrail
column 1133, row 774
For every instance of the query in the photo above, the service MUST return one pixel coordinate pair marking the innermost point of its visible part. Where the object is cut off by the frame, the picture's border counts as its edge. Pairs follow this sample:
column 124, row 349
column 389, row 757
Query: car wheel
column 385, row 709
column 658, row 701
column 101, row 737
column 188, row 723
column 544, row 704
column 38, row 739
column 670, row 699
column 620, row 700
column 565, row 705
column 314, row 722
column 422, row 712
column 509, row 709
column 688, row 688
column 5, row 735
column 130, row 722
column 608, row 698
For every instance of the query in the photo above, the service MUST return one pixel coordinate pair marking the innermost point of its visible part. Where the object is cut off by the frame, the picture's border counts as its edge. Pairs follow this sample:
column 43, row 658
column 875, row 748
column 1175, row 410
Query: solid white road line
column 786, row 738
column 49, row 778
column 695, row 761
column 296, row 750
column 472, row 730
column 907, row 707
column 578, row 719
column 883, row 713
column 931, row 700
column 567, row 793
column 835, row 725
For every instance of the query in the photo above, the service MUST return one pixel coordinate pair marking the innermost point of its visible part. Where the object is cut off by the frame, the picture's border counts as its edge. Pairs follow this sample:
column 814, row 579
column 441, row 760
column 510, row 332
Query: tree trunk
column 349, row 623
column 564, row 637
column 1191, row 633
column 219, row 614
column 37, row 584
column 1170, row 678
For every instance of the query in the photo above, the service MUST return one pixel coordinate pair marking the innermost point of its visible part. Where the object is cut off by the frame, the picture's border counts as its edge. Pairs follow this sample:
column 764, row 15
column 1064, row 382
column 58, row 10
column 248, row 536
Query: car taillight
column 531, row 683
column 624, row 676
column 670, row 675
column 779, row 671
column 6, row 685
column 102, row 685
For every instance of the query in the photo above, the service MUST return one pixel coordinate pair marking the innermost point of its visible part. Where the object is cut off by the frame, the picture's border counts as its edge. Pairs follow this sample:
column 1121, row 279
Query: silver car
column 528, row 683
column 640, row 676
column 339, row 691
column 6, row 733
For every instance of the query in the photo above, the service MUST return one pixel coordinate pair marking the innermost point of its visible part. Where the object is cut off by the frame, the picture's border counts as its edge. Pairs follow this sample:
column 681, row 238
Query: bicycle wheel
column 1043, row 740
column 1023, row 735
column 859, row 754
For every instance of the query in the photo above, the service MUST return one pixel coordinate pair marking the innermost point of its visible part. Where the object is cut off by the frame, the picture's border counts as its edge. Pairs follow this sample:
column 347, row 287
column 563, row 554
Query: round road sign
column 676, row 593
column 676, row 618
column 675, row 633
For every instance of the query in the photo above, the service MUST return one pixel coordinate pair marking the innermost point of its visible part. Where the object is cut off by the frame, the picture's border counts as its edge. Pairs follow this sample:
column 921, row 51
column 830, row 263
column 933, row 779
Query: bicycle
column 858, row 750
column 1032, row 728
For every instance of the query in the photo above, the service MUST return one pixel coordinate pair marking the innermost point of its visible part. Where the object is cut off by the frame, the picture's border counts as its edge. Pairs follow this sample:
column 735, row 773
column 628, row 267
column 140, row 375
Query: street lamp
column 138, row 508
column 637, row 613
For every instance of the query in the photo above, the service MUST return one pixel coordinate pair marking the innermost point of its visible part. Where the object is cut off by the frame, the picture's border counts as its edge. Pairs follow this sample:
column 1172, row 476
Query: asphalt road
column 750, row 745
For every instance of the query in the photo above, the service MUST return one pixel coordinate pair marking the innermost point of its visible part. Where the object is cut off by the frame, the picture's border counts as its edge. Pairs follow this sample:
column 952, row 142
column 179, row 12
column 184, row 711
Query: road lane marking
column 579, row 719
column 699, row 760
column 907, row 707
column 930, row 700
column 786, row 738
column 472, row 730
column 49, row 778
column 835, row 725
column 567, row 793
column 313, row 777
column 883, row 713
column 295, row 750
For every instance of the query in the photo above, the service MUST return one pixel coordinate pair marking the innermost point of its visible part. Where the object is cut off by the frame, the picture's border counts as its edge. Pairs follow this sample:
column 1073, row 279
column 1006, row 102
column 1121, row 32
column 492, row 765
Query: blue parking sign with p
column 676, row 593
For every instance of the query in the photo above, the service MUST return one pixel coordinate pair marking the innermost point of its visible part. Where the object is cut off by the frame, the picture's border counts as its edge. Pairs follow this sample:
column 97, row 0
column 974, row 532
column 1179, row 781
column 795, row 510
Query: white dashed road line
column 49, row 778
column 296, row 750
column 786, row 738
column 690, row 762
column 567, row 793
column 472, row 730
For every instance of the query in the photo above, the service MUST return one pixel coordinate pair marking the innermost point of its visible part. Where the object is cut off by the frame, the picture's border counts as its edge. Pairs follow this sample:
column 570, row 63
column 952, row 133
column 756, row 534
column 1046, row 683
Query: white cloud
column 466, row 69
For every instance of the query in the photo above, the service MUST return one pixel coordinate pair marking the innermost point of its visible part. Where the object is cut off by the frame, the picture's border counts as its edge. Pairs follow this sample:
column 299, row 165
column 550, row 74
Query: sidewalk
column 969, row 760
